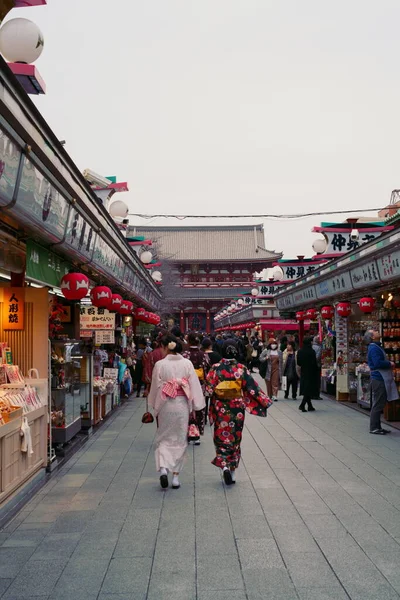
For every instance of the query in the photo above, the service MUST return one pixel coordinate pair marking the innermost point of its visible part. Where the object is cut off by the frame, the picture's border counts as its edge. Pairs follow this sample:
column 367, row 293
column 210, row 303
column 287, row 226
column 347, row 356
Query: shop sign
column 86, row 333
column 339, row 243
column 80, row 235
column 365, row 275
column 285, row 302
column 305, row 295
column 44, row 266
column 107, row 260
column 334, row 285
column 267, row 291
column 341, row 344
column 10, row 156
column 40, row 203
column 13, row 309
column 293, row 271
column 110, row 373
column 389, row 265
column 96, row 318
column 104, row 337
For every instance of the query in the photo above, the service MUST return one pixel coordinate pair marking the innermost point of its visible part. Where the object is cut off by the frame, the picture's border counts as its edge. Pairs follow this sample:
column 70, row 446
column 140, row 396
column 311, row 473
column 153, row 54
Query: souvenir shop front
column 345, row 299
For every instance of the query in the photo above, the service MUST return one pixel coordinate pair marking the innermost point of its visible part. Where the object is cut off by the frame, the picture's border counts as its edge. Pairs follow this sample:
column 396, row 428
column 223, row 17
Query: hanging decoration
column 343, row 309
column 312, row 314
column 367, row 304
column 126, row 308
column 327, row 312
column 74, row 286
column 115, row 302
column 300, row 315
column 101, row 296
column 139, row 314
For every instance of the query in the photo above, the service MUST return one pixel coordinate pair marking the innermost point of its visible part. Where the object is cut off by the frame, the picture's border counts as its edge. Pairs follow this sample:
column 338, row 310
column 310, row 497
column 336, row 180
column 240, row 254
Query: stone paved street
column 315, row 515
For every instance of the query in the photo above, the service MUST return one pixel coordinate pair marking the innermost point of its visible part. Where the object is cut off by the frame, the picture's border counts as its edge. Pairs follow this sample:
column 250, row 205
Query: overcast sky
column 229, row 106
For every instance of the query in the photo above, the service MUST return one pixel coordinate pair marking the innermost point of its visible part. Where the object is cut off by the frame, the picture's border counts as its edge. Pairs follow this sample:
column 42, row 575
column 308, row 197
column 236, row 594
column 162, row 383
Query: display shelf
column 62, row 435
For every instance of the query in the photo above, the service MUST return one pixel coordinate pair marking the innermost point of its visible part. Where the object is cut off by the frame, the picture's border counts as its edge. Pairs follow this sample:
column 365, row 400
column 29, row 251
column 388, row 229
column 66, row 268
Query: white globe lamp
column 240, row 301
column 21, row 41
column 254, row 292
column 277, row 274
column 320, row 245
column 119, row 209
column 146, row 257
column 157, row 276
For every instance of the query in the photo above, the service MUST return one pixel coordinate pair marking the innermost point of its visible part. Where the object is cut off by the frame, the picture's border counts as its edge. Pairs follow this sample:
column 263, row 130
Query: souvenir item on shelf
column 8, row 357
column 14, row 374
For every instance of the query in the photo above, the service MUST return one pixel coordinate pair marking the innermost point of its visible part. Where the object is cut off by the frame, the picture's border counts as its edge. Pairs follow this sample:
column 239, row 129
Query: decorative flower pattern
column 228, row 415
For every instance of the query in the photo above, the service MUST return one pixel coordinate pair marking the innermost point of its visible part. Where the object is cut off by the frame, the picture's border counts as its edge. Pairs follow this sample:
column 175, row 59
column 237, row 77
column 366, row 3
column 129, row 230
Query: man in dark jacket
column 377, row 362
column 307, row 362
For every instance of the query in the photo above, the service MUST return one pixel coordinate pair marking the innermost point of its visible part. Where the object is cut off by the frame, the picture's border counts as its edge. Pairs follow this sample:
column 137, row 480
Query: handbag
column 263, row 368
column 284, row 383
column 193, row 432
column 147, row 417
column 254, row 354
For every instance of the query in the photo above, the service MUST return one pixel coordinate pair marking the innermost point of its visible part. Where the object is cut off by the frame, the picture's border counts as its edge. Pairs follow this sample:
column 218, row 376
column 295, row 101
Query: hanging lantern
column 327, row 312
column 146, row 257
column 396, row 302
column 240, row 301
column 320, row 245
column 300, row 315
column 115, row 302
column 126, row 308
column 367, row 304
column 312, row 314
column 139, row 314
column 254, row 292
column 101, row 296
column 74, row 286
column 343, row 309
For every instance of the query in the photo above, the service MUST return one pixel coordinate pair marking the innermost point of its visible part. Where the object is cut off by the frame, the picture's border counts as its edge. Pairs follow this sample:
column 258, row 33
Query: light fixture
column 95, row 178
column 21, row 41
column 240, row 301
column 277, row 274
column 156, row 275
column 320, row 245
column 118, row 209
column 354, row 235
column 146, row 257
column 254, row 292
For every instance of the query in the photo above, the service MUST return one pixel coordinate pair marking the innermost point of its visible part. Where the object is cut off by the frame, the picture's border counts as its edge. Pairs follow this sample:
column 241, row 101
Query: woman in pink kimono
column 175, row 393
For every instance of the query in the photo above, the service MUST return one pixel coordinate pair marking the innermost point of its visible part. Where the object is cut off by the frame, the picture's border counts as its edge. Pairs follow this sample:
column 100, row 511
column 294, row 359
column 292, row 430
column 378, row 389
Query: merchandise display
column 357, row 352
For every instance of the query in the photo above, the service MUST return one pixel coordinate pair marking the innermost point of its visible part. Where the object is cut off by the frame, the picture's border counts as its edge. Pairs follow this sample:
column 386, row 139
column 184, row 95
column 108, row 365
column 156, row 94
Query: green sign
column 44, row 266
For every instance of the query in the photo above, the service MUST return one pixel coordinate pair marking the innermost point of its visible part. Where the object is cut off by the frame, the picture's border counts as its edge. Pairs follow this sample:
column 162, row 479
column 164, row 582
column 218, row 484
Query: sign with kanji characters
column 339, row 243
column 13, row 308
column 96, row 318
column 45, row 266
column 104, row 337
column 291, row 272
column 334, row 285
column 389, row 265
column 365, row 275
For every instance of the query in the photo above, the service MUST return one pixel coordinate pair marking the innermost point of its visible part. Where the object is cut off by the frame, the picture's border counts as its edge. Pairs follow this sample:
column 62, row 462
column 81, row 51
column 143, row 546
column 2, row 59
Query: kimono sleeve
column 196, row 390
column 256, row 401
column 155, row 385
column 212, row 381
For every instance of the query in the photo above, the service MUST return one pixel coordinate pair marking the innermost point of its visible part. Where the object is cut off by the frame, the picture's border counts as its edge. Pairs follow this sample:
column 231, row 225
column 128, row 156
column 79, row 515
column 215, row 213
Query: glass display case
column 70, row 389
column 357, row 350
column 364, row 391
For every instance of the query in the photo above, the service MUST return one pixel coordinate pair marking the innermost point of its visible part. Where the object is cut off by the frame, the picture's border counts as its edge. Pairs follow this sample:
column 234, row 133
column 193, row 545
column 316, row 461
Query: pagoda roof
column 239, row 243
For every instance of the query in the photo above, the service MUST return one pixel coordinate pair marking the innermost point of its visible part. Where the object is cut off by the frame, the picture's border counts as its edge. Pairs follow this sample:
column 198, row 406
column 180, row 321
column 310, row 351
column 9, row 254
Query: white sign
column 389, row 265
column 104, row 337
column 339, row 243
column 110, row 373
column 365, row 275
column 334, row 285
column 97, row 318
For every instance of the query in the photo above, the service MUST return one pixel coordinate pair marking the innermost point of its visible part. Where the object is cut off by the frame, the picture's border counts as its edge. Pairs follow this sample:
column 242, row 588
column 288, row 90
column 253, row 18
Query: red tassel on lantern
column 126, row 308
column 343, row 309
column 311, row 314
column 115, row 302
column 327, row 312
column 301, row 315
column 74, row 286
column 101, row 296
column 367, row 304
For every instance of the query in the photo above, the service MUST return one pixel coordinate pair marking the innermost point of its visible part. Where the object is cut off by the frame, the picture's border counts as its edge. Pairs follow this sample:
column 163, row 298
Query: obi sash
column 176, row 387
column 229, row 390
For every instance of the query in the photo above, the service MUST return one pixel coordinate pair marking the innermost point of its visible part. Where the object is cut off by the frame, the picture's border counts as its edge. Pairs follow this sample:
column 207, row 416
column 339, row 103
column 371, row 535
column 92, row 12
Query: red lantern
column 75, row 286
column 327, row 312
column 115, row 302
column 312, row 314
column 396, row 302
column 146, row 316
column 139, row 314
column 126, row 308
column 301, row 315
column 101, row 296
column 343, row 309
column 367, row 304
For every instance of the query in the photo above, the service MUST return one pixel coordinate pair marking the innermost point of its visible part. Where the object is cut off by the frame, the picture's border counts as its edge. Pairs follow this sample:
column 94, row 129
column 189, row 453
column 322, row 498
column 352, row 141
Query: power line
column 268, row 216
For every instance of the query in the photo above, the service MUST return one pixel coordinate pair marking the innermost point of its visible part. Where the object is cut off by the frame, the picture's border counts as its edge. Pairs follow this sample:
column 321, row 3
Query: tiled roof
column 194, row 244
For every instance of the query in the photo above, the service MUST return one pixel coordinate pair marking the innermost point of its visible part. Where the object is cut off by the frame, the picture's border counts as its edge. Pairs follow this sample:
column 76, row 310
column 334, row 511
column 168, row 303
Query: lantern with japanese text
column 343, row 309
column 115, row 302
column 74, row 286
column 101, row 296
column 300, row 315
column 126, row 308
column 367, row 304
column 139, row 314
column 312, row 314
column 327, row 312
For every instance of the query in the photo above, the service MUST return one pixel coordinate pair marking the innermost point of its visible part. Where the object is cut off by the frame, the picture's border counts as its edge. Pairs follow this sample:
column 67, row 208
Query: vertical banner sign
column 13, row 308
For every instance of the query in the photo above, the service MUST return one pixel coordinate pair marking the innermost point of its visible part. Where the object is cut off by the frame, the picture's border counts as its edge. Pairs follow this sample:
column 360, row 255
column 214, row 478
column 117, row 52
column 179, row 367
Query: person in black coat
column 307, row 363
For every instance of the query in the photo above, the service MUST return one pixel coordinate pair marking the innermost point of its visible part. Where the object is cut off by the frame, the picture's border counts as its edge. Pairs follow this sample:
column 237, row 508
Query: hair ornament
column 172, row 345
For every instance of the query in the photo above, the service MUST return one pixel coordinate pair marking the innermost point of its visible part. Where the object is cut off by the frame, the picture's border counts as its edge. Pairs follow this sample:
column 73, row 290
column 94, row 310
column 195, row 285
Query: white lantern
column 156, row 275
column 21, row 41
column 319, row 246
column 146, row 257
column 277, row 274
column 119, row 209
column 240, row 301
column 233, row 306
column 254, row 292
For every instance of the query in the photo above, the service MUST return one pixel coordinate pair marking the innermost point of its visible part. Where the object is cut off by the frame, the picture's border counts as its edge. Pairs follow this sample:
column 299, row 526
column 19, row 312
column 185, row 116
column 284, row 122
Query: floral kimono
column 233, row 391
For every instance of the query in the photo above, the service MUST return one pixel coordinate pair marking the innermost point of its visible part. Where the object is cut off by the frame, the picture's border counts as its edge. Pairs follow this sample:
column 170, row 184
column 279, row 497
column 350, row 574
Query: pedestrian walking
column 175, row 394
column 139, row 366
column 272, row 355
column 317, row 347
column 307, row 363
column 200, row 362
column 289, row 370
column 213, row 359
column 232, row 391
column 383, row 385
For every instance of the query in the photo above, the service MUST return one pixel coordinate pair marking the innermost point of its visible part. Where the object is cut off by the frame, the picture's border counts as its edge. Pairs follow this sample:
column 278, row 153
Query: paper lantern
column 254, row 292
column 101, row 296
column 343, row 309
column 327, row 312
column 320, row 245
column 146, row 257
column 367, row 304
column 139, row 314
column 300, row 315
column 21, row 41
column 312, row 314
column 74, row 286
column 119, row 209
column 157, row 276
column 126, row 308
column 115, row 302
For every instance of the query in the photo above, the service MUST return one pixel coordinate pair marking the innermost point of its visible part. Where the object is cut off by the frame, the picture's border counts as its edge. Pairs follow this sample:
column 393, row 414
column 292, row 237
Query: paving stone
column 82, row 577
column 37, row 578
column 219, row 572
column 322, row 593
column 12, row 560
column 56, row 546
column 73, row 521
column 128, row 576
column 21, row 538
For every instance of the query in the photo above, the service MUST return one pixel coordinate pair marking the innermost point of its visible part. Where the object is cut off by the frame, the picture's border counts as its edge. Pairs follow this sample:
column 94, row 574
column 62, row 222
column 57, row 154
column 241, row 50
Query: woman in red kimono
column 233, row 391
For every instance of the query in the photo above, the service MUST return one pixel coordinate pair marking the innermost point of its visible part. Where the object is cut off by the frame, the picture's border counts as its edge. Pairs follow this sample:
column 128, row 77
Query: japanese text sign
column 13, row 308
column 96, row 318
column 338, row 243
column 365, row 275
